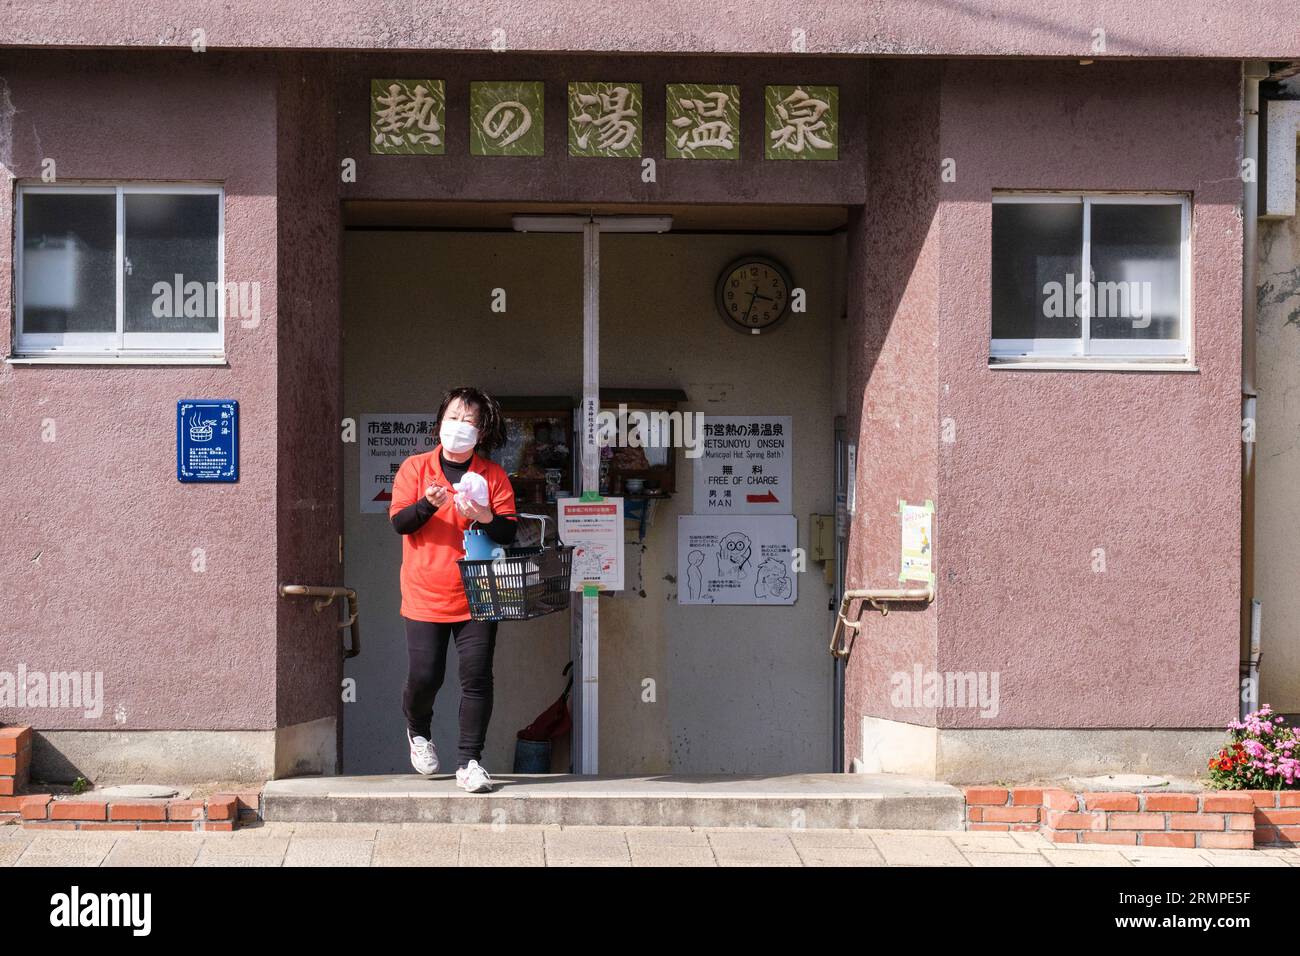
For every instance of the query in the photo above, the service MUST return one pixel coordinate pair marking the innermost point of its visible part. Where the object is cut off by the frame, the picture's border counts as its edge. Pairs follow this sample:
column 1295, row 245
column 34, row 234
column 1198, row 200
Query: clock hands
column 752, row 296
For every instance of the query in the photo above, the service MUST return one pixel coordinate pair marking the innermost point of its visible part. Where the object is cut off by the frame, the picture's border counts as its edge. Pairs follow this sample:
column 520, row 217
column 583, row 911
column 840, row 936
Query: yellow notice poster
column 918, row 542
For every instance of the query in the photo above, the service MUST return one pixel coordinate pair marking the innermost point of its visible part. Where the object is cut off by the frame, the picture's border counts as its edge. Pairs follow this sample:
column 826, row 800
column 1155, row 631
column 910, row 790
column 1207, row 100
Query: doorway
column 683, row 689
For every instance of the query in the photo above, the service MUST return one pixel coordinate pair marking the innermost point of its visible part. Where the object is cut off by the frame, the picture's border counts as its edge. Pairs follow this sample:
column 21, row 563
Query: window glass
column 69, row 258
column 1136, row 268
column 1037, row 251
column 171, row 263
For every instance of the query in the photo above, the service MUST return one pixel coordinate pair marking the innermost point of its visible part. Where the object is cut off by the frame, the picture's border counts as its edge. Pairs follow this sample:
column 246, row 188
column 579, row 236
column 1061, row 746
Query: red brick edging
column 15, row 762
column 1219, row 819
column 221, row 811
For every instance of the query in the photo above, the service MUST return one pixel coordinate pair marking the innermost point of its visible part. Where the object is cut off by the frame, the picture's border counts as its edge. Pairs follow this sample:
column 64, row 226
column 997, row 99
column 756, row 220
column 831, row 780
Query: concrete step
column 813, row 800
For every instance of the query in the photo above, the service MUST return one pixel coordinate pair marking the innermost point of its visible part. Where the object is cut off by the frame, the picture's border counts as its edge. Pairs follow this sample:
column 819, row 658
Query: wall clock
column 753, row 294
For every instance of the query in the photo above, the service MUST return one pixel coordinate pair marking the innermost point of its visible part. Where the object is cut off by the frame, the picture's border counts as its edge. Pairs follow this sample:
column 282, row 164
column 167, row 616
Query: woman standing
column 432, row 517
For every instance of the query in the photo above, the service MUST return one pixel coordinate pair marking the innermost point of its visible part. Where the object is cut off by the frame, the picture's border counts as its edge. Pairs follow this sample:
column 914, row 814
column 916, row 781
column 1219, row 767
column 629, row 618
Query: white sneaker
column 423, row 757
column 473, row 778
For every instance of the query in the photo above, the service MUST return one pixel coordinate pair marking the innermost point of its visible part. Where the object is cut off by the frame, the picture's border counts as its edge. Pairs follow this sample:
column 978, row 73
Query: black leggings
column 426, row 649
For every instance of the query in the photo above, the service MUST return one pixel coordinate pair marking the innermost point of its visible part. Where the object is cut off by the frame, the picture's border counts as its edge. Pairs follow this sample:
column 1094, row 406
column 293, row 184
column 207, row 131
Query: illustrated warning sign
column 746, row 559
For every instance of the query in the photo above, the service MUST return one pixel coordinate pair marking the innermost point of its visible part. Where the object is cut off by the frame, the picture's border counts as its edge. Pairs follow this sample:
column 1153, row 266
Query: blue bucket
column 532, row 756
column 478, row 546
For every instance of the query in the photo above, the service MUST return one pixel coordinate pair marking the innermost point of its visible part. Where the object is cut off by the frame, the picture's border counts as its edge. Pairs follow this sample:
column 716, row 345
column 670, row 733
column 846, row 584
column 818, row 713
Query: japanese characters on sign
column 505, row 119
column 605, row 119
column 595, row 529
column 590, row 436
column 802, row 122
column 207, row 440
column 746, row 465
column 407, row 117
column 703, row 121
column 736, row 559
column 385, row 442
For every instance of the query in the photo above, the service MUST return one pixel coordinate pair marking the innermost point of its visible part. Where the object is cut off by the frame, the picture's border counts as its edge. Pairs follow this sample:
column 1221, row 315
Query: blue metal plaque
column 207, row 440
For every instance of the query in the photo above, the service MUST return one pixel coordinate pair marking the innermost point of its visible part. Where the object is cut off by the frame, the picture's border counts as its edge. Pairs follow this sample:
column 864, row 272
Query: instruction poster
column 595, row 529
column 745, row 467
column 918, row 542
column 736, row 559
column 385, row 442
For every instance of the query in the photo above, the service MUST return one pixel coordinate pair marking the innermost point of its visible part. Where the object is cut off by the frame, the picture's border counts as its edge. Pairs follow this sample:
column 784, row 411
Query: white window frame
column 1086, row 349
column 119, row 344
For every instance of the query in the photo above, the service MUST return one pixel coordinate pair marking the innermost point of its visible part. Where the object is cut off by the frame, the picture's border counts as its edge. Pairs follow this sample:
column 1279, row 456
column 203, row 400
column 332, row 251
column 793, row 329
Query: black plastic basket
column 521, row 584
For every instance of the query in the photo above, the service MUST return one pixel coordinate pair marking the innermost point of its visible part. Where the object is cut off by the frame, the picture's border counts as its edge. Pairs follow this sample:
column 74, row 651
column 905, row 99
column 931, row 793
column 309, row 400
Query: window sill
column 1091, row 365
column 116, row 358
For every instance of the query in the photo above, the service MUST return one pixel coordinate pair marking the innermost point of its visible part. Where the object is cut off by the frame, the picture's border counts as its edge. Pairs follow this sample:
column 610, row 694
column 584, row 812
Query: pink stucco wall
column 892, row 368
column 1220, row 28
column 98, row 534
column 1047, row 466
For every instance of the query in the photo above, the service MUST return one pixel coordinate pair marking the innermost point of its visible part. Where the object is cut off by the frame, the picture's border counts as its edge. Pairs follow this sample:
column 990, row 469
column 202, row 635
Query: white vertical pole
column 590, row 698
column 575, row 653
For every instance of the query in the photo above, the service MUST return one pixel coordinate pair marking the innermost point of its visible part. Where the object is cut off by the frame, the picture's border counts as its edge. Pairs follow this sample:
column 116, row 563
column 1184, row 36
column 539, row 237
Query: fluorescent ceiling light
column 606, row 223
column 635, row 223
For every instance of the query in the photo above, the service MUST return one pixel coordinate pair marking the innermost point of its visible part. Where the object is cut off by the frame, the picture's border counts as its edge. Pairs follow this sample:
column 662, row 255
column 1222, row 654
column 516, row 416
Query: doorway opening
column 437, row 295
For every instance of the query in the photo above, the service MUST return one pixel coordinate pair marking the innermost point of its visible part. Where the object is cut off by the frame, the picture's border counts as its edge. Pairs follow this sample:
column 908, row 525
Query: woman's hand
column 436, row 495
column 469, row 508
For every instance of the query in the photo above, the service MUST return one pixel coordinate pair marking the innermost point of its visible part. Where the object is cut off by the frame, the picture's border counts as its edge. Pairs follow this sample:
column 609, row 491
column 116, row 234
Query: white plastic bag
column 473, row 486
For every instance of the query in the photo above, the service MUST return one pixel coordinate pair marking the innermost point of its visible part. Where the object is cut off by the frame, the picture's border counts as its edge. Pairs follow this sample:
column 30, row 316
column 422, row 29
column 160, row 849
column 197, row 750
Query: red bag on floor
column 554, row 721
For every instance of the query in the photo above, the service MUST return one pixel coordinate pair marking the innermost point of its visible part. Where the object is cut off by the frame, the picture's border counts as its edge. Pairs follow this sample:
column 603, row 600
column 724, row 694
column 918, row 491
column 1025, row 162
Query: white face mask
column 457, row 437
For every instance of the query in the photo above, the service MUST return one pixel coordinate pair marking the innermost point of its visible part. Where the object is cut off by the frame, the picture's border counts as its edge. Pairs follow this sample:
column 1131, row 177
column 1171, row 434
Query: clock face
column 753, row 294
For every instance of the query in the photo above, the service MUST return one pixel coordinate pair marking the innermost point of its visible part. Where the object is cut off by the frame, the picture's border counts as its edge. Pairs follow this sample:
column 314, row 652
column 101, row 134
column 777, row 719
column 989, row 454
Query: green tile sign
column 505, row 119
column 407, row 117
column 605, row 119
column 702, row 121
column 801, row 122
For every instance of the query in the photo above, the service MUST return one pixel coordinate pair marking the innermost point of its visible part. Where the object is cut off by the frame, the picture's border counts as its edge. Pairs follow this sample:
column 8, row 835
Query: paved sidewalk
column 434, row 844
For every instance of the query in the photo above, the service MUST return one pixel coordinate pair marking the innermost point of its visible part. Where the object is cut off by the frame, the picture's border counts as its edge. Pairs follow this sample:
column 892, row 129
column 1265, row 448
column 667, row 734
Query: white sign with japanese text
column 736, row 559
column 745, row 466
column 385, row 442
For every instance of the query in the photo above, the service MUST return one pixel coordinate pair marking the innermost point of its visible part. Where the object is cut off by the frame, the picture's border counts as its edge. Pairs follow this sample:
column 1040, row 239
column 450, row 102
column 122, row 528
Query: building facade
column 935, row 188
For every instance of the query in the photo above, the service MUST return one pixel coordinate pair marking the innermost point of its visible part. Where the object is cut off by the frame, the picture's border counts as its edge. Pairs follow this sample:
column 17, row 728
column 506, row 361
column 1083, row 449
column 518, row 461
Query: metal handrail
column 879, row 599
column 326, row 595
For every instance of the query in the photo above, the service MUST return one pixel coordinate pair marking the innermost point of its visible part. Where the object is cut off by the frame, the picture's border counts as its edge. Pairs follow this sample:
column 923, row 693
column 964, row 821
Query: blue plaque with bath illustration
column 207, row 440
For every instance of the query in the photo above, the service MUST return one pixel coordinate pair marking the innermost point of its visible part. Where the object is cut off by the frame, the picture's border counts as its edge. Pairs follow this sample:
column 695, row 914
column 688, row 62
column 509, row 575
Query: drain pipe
column 1253, row 71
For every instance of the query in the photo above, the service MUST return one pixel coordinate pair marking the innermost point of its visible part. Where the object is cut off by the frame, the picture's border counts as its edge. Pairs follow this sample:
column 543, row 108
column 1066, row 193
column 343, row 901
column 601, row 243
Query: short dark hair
column 492, row 423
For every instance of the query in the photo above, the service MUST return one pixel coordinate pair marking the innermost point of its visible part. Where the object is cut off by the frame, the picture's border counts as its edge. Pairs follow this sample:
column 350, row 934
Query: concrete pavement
column 781, row 801
column 443, row 844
